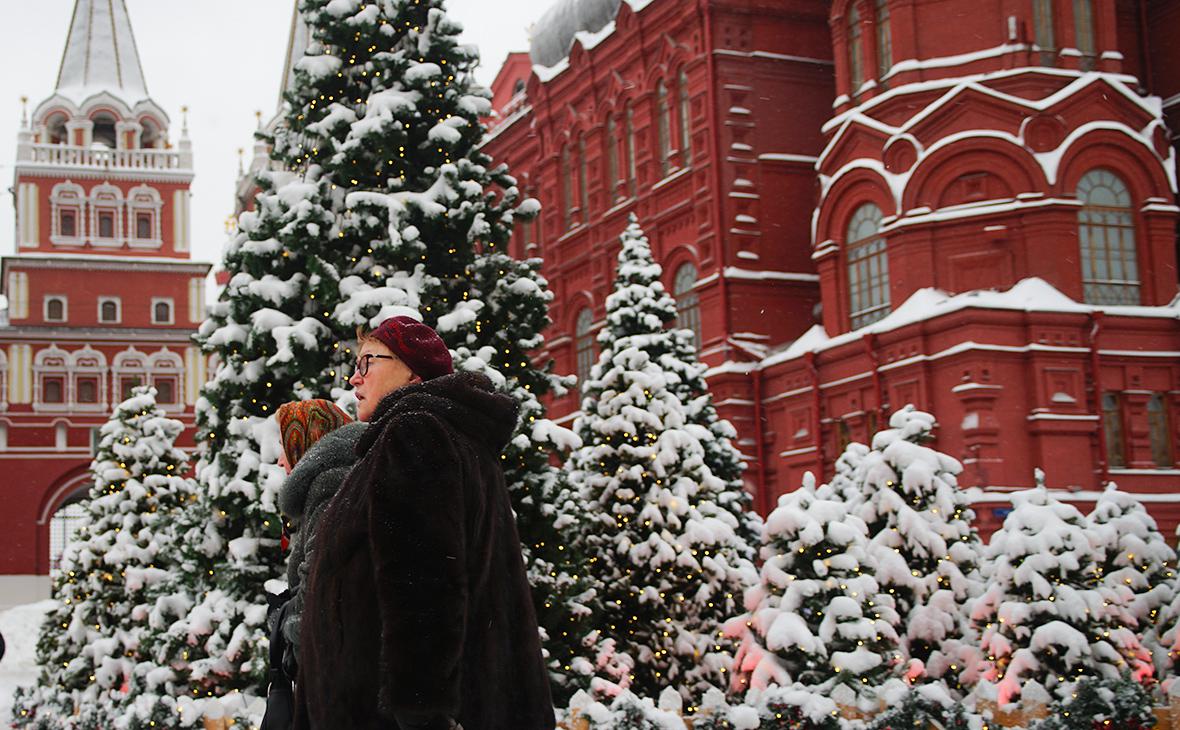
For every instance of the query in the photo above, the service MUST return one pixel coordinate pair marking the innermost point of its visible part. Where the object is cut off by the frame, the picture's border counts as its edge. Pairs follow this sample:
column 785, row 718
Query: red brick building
column 867, row 203
column 102, row 291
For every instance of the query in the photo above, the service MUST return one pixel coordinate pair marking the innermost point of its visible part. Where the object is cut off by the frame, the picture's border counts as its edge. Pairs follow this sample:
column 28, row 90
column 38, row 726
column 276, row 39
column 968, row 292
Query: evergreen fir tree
column 1046, row 616
column 384, row 205
column 818, row 617
column 89, row 646
column 925, row 551
column 664, row 542
column 1137, row 564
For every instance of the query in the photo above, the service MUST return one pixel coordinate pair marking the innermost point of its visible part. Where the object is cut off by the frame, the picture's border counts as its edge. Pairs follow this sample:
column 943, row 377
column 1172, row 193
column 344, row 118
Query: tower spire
column 100, row 53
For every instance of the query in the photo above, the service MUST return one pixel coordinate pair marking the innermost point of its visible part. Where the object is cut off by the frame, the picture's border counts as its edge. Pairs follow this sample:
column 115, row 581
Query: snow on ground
column 20, row 626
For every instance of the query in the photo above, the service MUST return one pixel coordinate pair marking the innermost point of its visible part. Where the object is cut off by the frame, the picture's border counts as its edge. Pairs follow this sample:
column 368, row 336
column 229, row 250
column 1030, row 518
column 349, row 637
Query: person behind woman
column 318, row 450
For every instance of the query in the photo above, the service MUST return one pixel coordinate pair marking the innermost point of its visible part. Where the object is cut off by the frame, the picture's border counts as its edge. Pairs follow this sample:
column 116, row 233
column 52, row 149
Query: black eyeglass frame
column 364, row 361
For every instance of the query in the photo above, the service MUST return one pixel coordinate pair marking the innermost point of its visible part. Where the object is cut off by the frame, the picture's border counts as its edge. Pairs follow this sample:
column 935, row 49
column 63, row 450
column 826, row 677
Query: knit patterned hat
column 304, row 422
column 417, row 345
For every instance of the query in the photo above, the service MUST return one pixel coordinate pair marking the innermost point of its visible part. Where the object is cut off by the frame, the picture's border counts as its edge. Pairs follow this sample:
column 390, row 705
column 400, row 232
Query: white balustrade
column 148, row 159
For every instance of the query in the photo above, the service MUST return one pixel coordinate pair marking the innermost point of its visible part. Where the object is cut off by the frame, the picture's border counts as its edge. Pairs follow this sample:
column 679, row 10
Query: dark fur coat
column 417, row 611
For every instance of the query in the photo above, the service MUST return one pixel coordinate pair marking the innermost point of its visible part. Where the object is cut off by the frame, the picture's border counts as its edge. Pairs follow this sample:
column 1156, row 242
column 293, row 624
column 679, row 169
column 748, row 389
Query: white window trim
column 41, row 370
column 104, row 198
column 139, row 200
column 3, row 382
column 65, row 307
column 118, row 302
column 98, row 371
column 168, row 365
column 67, row 196
column 171, row 310
column 120, row 369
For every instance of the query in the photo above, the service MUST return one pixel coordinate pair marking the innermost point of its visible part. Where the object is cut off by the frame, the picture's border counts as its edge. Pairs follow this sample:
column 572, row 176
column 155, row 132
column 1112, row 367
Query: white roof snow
column 552, row 37
column 100, row 54
column 1030, row 295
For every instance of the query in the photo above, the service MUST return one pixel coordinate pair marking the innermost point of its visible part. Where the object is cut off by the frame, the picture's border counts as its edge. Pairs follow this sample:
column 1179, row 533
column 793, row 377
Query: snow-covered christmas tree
column 1137, row 564
column 925, row 551
column 90, row 645
column 818, row 617
column 383, row 205
column 665, row 542
column 1046, row 617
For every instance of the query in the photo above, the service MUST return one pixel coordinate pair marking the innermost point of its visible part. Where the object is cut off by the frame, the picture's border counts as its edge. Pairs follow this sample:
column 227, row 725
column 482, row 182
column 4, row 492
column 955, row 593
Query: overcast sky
column 221, row 58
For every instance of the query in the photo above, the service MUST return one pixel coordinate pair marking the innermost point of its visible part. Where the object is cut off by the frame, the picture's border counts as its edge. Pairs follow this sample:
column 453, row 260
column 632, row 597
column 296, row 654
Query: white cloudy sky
column 221, row 58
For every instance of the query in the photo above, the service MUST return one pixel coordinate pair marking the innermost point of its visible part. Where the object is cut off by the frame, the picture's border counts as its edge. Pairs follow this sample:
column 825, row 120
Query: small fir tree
column 1046, row 617
column 925, row 551
column 666, row 544
column 89, row 645
column 1102, row 705
column 1137, row 564
column 818, row 617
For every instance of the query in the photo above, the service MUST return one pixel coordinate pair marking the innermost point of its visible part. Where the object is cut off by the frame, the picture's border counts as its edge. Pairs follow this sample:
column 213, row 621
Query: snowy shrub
column 1106, row 703
column 924, row 548
column 817, row 618
column 1138, row 565
column 1046, row 618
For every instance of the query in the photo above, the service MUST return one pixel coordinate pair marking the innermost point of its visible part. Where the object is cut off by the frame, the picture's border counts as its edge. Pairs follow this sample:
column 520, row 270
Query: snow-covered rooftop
column 100, row 54
column 1028, row 295
column 552, row 36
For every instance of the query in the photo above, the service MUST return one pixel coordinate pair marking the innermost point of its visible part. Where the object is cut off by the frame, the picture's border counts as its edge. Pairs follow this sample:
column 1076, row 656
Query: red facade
column 102, row 292
column 979, row 197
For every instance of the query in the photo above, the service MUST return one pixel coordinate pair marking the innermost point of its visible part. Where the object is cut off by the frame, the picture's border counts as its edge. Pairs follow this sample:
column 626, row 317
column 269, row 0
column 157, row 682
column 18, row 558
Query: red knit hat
column 417, row 345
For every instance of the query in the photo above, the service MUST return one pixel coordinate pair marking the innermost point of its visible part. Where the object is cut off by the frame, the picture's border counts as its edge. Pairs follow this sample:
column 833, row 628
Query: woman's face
column 283, row 461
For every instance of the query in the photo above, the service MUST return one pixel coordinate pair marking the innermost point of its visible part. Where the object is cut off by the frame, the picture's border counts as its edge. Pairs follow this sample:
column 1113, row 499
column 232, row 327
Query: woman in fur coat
column 418, row 615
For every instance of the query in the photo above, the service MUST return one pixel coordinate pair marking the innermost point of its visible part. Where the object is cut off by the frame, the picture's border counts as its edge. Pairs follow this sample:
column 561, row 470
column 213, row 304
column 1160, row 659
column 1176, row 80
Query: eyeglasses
column 362, row 363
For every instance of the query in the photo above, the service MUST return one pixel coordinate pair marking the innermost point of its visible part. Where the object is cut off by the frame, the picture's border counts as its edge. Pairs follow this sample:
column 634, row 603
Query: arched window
column 161, row 310
column 583, row 184
column 884, row 40
column 868, row 267
column 685, row 120
column 1083, row 17
column 108, row 310
column 855, row 52
column 67, row 202
column 1161, row 434
column 1106, row 236
column 1042, row 11
column 144, row 205
column 567, row 190
column 612, row 159
column 632, row 171
column 150, row 137
column 63, row 526
column 55, row 309
column 1112, row 424
column 129, row 370
column 166, row 370
column 88, row 374
column 106, row 215
column 55, row 129
column 104, row 130
column 51, row 368
column 584, row 346
column 664, row 128
column 688, row 305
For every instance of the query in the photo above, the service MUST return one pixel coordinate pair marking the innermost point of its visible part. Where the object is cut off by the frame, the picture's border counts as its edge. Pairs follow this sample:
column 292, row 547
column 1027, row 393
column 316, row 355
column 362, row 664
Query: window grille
column 688, row 306
column 1106, row 236
column 868, row 267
